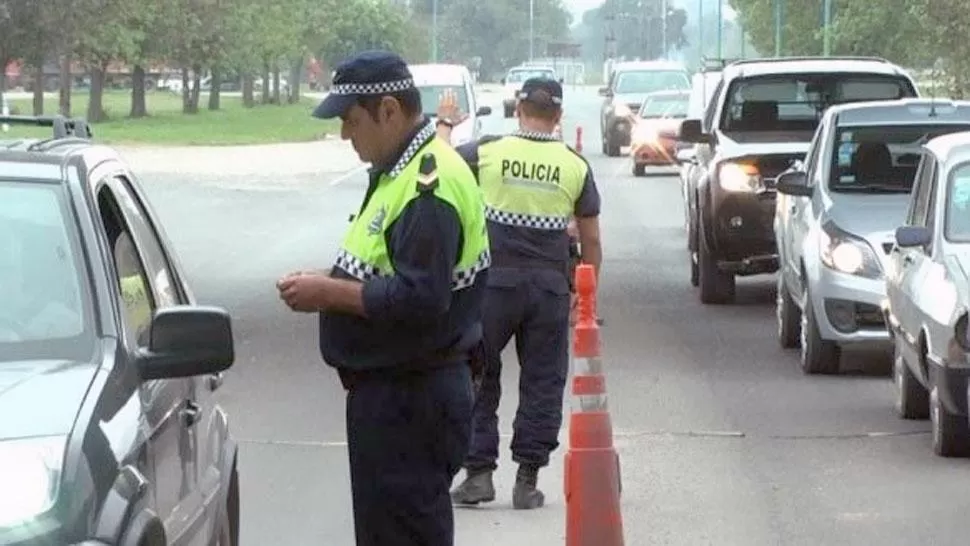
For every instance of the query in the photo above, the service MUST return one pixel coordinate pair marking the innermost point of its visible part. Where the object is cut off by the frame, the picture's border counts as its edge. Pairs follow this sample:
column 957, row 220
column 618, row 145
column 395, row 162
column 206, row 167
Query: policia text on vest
column 530, row 172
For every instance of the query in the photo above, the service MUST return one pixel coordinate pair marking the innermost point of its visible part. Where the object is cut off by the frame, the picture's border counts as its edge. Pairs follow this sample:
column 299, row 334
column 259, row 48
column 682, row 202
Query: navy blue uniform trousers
column 407, row 437
column 532, row 306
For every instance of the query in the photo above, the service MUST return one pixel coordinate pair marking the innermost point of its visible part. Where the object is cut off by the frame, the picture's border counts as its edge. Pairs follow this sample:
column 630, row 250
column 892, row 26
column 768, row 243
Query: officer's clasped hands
column 304, row 291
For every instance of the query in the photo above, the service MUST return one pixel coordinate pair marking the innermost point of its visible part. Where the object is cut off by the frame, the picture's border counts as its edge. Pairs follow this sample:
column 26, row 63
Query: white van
column 433, row 79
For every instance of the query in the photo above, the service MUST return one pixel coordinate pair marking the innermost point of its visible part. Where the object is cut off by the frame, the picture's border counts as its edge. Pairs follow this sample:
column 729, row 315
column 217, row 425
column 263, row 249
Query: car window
column 881, row 158
column 664, row 106
column 431, row 97
column 161, row 280
column 957, row 221
column 811, row 158
column 924, row 184
column 46, row 311
column 796, row 102
column 137, row 302
column 712, row 103
column 649, row 81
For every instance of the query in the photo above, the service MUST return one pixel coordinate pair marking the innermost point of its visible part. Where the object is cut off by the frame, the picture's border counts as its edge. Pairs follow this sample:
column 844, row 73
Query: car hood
column 633, row 100
column 761, row 143
column 659, row 125
column 41, row 397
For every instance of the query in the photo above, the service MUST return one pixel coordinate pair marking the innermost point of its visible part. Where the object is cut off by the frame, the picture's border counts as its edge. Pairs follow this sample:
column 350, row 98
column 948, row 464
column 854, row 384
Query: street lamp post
column 778, row 23
column 663, row 14
column 700, row 30
column 532, row 30
column 720, row 28
column 434, row 31
column 827, row 37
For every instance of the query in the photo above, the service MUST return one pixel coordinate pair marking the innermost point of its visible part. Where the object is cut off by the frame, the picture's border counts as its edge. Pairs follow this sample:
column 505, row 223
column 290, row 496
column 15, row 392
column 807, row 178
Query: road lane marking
column 349, row 174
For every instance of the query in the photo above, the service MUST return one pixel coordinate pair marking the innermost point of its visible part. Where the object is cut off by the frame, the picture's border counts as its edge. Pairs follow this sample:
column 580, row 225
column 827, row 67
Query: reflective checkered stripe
column 355, row 267
column 426, row 133
column 532, row 135
column 550, row 223
column 378, row 88
column 362, row 271
column 463, row 278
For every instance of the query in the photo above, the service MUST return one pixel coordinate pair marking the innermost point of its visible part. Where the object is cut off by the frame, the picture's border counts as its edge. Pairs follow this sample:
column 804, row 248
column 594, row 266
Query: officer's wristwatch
column 446, row 122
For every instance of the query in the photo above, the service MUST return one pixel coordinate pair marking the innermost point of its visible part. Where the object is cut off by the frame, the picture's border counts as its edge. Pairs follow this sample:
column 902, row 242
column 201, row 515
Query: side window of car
column 157, row 266
column 137, row 303
column 917, row 189
column 921, row 208
column 811, row 158
column 708, row 123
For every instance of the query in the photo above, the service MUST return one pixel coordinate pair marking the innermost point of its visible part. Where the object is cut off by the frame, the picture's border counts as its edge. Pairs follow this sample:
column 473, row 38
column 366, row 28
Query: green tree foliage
column 637, row 29
column 497, row 31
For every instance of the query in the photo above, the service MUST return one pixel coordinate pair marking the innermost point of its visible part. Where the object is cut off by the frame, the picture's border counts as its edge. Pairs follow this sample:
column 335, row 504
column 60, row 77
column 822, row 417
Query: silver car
column 928, row 296
column 835, row 219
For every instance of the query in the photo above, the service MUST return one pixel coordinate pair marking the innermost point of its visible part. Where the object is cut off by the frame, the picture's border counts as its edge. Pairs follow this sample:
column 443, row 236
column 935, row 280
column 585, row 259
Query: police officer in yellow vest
column 400, row 311
column 533, row 185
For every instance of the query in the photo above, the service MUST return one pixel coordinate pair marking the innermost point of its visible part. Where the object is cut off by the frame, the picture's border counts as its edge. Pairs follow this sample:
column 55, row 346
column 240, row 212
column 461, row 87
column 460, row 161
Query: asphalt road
column 722, row 440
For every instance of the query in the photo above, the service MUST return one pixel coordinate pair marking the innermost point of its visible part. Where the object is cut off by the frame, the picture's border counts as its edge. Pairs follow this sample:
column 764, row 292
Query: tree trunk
column 215, row 88
column 248, row 84
column 38, row 90
column 186, row 91
column 196, row 87
column 95, row 105
column 139, row 108
column 266, row 83
column 296, row 81
column 64, row 97
column 276, row 85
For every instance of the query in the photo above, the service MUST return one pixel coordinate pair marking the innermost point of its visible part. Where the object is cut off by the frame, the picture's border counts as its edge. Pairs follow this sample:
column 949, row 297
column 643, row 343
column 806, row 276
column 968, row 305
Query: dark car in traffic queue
column 109, row 429
column 927, row 305
column 628, row 85
column 758, row 124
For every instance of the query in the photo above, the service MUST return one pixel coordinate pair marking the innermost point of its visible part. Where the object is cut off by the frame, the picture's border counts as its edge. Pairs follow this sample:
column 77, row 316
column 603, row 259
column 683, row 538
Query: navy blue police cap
column 541, row 91
column 367, row 73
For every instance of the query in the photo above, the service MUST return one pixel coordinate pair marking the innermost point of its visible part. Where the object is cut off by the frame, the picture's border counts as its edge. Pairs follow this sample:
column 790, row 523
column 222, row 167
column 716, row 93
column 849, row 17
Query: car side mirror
column 187, row 341
column 605, row 92
column 794, row 183
column 913, row 236
column 502, row 81
column 562, row 80
column 690, row 131
column 687, row 155
column 484, row 111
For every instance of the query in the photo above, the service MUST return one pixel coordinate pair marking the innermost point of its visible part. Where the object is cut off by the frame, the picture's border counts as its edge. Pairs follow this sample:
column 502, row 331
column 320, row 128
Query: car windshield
column 431, row 96
column 45, row 311
column 664, row 106
column 958, row 205
column 881, row 159
column 519, row 76
column 648, row 81
column 796, row 102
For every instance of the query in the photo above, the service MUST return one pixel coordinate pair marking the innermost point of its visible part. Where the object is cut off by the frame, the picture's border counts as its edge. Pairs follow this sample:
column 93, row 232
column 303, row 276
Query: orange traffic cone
column 579, row 138
column 592, row 482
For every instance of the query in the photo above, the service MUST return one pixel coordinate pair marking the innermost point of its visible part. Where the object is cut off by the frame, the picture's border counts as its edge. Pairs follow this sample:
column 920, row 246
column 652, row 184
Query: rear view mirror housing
column 605, row 92
column 187, row 341
column 794, row 183
column 690, row 131
column 913, row 236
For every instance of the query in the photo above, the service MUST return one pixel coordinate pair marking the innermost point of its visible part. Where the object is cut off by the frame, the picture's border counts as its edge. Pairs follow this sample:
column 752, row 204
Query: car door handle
column 190, row 413
column 792, row 209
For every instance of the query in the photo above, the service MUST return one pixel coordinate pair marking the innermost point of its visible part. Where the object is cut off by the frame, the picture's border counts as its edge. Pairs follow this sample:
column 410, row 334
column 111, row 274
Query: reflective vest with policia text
column 436, row 168
column 530, row 182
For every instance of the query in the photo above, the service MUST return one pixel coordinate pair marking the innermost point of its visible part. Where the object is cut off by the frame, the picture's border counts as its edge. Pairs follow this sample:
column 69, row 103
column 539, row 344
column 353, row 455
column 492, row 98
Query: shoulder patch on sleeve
column 428, row 174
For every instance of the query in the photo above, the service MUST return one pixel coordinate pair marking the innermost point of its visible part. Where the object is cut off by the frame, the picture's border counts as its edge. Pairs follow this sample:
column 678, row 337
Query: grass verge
column 166, row 125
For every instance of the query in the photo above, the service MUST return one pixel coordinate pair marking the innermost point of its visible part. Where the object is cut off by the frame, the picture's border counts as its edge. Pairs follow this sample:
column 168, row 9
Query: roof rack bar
column 63, row 127
column 810, row 58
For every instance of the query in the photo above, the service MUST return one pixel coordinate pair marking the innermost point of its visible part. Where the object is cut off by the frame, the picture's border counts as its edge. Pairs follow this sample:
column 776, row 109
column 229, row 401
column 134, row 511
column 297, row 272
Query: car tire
column 787, row 316
column 716, row 286
column 612, row 147
column 603, row 145
column 818, row 356
column 509, row 110
column 912, row 398
column 227, row 527
column 639, row 169
column 695, row 272
column 951, row 433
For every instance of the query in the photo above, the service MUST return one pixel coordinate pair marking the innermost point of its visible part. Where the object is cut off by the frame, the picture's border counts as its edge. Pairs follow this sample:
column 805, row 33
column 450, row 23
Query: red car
column 654, row 136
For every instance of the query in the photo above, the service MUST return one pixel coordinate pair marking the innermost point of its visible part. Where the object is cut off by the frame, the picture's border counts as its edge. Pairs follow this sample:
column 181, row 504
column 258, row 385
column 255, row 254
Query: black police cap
column 542, row 91
column 367, row 73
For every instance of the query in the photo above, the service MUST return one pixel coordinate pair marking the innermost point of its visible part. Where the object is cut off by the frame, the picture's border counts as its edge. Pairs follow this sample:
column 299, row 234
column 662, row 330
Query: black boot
column 525, row 495
column 477, row 488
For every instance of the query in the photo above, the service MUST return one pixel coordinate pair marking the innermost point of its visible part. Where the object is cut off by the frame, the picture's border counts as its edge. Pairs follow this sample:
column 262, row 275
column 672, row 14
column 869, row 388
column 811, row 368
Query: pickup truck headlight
column 30, row 472
column 740, row 177
column 846, row 253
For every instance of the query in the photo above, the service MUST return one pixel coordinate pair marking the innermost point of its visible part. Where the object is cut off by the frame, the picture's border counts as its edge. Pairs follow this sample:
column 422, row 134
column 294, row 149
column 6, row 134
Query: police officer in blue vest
column 534, row 184
column 401, row 310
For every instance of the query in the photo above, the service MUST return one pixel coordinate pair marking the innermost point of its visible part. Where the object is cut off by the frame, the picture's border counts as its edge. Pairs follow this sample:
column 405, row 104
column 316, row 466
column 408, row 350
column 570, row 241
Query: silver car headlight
column 843, row 252
column 30, row 471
